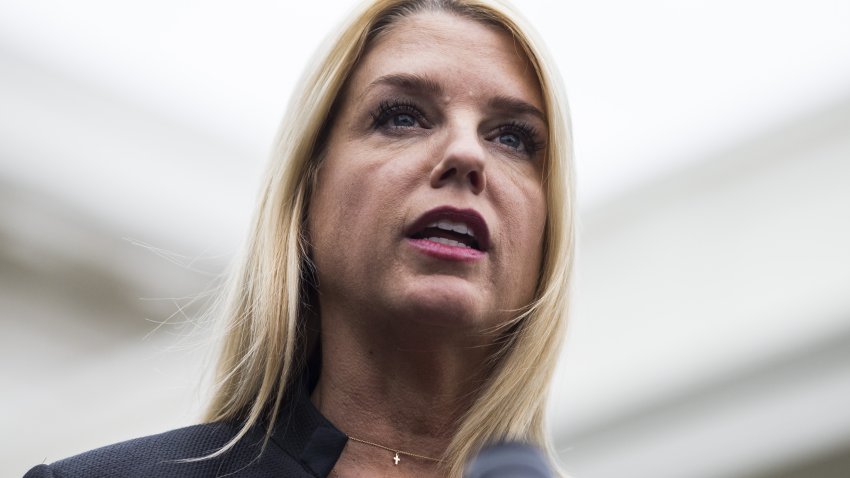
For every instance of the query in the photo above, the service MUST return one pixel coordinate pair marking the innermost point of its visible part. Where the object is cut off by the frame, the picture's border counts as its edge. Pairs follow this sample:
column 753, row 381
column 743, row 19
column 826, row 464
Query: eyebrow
column 407, row 81
column 516, row 106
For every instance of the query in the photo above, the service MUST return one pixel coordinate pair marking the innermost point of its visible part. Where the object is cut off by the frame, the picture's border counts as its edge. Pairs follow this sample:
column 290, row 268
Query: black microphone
column 509, row 460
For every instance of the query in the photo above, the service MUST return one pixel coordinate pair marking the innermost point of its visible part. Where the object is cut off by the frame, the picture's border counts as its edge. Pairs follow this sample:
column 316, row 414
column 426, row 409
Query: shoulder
column 161, row 456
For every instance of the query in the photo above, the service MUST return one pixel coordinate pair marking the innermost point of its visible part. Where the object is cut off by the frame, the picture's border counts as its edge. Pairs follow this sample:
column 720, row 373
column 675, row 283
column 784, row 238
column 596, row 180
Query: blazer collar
column 305, row 434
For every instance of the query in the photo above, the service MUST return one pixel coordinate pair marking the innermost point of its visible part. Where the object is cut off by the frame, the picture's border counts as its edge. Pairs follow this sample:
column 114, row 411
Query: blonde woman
column 403, row 294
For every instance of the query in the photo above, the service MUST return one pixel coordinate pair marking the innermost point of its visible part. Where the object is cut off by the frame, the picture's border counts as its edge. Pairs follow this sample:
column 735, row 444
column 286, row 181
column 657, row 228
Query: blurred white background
column 711, row 333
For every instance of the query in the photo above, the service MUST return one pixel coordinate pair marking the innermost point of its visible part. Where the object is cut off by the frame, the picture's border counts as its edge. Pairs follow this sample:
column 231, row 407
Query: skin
column 404, row 334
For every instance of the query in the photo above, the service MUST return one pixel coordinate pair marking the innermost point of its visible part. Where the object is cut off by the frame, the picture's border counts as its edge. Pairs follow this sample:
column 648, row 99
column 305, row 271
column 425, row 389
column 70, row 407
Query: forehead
column 469, row 59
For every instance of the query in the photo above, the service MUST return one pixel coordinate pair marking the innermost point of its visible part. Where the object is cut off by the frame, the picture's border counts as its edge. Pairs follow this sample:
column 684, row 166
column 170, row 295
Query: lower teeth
column 447, row 242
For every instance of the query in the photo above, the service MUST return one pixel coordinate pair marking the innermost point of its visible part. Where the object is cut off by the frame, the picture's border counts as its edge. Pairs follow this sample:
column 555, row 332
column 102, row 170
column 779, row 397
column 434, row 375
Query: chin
column 446, row 301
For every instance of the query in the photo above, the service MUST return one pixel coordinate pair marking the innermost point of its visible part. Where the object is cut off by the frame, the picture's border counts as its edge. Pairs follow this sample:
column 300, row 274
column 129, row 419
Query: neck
column 399, row 384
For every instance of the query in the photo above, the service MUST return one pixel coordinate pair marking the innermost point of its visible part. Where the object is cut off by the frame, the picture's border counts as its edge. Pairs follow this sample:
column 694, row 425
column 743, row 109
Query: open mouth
column 450, row 233
column 463, row 228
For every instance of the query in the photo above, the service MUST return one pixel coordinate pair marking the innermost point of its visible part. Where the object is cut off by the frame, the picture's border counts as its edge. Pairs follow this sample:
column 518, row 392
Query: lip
column 470, row 217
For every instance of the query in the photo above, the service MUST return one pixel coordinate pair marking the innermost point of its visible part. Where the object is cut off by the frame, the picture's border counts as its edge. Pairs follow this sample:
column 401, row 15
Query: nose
column 462, row 159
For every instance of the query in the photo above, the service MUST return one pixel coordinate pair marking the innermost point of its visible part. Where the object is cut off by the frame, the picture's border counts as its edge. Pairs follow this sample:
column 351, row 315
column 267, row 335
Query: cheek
column 328, row 230
column 353, row 212
column 533, row 227
column 526, row 215
column 339, row 187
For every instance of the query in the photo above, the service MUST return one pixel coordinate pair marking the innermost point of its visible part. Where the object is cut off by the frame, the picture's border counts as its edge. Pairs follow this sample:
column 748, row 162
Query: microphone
column 509, row 460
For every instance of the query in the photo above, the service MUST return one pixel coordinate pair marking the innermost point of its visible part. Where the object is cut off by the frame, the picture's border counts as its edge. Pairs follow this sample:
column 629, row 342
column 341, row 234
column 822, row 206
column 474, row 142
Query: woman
column 403, row 295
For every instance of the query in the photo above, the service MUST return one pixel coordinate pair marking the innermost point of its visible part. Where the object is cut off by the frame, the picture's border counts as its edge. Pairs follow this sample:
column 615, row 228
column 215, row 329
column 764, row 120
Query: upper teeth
column 458, row 227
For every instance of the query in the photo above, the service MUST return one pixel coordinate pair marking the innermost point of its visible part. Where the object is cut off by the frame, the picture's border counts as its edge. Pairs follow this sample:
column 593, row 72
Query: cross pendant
column 396, row 459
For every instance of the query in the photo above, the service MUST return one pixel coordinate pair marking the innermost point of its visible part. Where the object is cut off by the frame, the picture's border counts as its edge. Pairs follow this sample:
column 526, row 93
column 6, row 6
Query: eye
column 512, row 140
column 518, row 137
column 398, row 115
column 403, row 120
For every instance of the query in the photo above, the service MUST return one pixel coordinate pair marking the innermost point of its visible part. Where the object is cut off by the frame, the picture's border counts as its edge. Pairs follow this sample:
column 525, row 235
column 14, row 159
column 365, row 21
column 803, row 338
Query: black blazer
column 303, row 444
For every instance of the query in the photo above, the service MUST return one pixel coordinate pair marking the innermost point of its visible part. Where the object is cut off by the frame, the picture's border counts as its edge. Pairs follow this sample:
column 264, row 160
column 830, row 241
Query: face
column 429, row 204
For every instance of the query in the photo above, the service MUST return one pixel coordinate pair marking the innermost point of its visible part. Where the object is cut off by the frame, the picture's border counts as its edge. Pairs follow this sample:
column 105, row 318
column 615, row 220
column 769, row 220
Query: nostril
column 454, row 169
column 475, row 179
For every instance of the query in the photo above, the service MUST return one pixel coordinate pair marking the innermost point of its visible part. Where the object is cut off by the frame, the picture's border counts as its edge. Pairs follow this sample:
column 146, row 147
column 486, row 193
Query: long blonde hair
column 265, row 341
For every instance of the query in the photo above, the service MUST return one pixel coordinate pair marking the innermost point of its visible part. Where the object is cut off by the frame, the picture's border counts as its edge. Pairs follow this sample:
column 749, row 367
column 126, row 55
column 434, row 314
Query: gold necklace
column 396, row 458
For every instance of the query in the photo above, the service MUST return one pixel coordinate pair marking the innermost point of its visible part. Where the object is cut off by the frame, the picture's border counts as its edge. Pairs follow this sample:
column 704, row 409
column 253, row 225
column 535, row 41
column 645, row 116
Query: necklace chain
column 396, row 458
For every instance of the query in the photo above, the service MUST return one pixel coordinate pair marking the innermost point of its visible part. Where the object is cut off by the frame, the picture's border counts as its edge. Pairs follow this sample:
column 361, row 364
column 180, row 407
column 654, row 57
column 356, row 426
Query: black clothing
column 304, row 444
